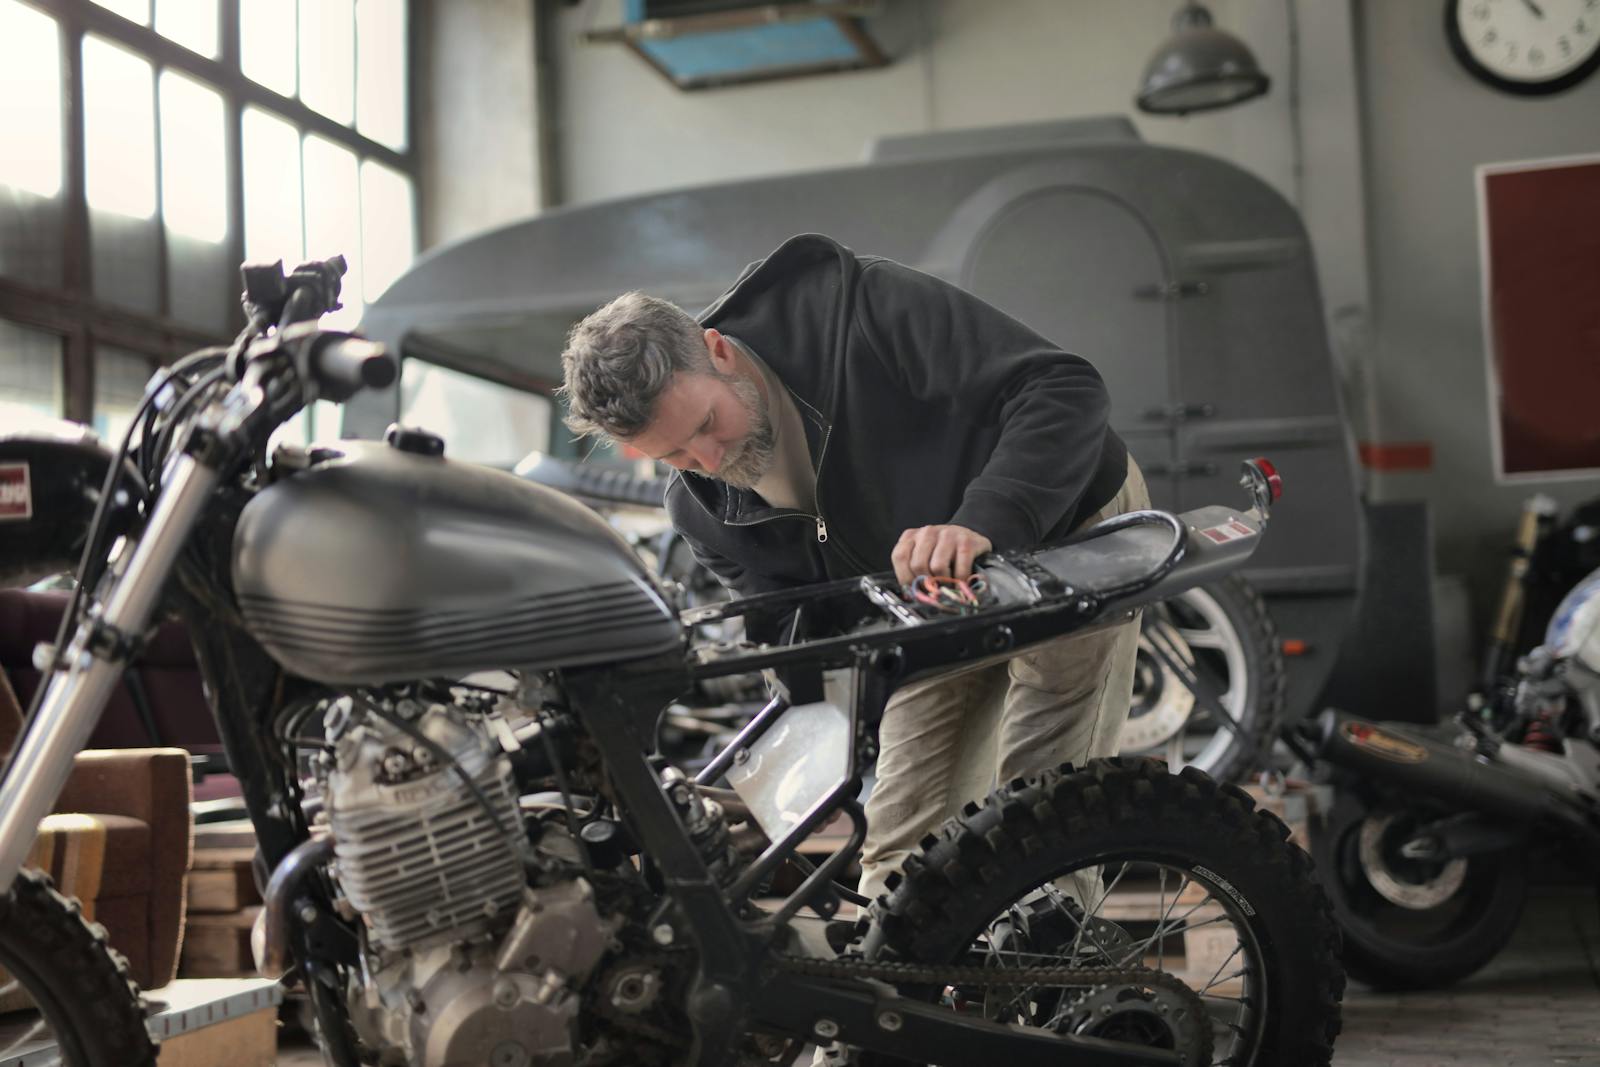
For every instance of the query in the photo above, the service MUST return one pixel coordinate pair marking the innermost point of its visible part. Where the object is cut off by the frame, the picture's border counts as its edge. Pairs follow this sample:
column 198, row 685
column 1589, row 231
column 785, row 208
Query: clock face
column 1526, row 46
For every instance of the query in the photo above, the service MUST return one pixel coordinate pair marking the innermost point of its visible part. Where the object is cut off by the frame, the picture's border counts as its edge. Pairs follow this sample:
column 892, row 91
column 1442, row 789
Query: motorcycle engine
column 464, row 961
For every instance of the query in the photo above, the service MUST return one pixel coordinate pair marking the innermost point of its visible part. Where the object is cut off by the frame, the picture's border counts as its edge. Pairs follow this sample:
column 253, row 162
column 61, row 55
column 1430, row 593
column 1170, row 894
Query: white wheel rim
column 1211, row 631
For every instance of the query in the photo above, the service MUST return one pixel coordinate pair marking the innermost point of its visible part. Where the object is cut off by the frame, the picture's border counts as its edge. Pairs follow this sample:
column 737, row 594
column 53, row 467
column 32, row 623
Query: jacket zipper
column 794, row 513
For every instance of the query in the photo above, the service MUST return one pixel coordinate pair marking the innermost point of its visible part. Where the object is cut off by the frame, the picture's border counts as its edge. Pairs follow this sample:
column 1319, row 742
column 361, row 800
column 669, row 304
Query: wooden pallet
column 223, row 903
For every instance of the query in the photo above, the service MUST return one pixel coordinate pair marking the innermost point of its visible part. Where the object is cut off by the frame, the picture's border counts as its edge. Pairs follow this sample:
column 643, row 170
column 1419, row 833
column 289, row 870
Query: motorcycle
column 439, row 685
column 1425, row 850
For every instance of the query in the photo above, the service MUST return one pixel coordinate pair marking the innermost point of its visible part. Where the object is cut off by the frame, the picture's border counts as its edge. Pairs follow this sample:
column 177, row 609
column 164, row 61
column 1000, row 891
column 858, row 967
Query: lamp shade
column 1199, row 68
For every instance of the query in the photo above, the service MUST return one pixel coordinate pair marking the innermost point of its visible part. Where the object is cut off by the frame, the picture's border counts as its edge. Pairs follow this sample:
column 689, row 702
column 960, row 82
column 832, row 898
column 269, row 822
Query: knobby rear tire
column 1037, row 828
column 80, row 983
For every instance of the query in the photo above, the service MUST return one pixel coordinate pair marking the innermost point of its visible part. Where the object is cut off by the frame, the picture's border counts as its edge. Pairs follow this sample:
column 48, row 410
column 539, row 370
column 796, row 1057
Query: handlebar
column 343, row 365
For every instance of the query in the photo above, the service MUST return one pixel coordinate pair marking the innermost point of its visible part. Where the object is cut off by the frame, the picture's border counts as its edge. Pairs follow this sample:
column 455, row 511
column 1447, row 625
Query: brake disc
column 1417, row 885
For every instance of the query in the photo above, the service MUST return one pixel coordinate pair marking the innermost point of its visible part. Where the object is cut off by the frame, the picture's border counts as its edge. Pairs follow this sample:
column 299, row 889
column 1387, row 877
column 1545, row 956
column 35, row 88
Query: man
column 834, row 415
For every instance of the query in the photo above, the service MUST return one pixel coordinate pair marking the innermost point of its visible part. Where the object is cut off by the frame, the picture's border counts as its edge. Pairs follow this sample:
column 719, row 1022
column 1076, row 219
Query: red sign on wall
column 1539, row 228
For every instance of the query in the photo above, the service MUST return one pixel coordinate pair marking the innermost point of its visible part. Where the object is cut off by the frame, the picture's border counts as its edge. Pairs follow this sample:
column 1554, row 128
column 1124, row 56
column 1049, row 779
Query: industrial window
column 30, row 376
column 153, row 145
column 481, row 421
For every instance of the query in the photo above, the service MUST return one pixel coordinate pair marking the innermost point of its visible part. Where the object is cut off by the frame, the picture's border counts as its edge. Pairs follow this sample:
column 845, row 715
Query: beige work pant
column 948, row 741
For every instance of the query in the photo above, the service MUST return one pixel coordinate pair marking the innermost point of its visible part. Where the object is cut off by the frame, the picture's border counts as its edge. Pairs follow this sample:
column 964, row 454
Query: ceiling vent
column 701, row 44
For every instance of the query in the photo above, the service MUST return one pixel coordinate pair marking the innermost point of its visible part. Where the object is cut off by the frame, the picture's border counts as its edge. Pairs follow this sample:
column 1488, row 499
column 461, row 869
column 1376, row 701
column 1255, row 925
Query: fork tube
column 75, row 696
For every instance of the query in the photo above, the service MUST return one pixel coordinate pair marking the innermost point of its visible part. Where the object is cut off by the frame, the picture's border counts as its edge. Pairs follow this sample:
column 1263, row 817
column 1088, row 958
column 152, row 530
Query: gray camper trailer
column 1187, row 281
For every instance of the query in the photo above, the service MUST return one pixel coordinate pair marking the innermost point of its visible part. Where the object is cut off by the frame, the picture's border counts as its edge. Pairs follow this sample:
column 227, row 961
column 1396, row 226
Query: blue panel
column 753, row 50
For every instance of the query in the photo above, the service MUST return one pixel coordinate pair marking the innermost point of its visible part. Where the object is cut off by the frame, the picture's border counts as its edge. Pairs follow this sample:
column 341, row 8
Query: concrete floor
column 1538, row 1003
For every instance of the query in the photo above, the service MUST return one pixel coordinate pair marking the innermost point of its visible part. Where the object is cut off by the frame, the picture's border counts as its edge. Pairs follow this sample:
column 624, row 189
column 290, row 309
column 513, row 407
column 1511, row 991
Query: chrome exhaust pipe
column 269, row 937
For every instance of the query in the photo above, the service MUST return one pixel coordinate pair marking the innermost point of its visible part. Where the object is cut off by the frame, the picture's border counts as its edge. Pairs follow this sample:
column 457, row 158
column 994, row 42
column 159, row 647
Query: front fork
column 92, row 663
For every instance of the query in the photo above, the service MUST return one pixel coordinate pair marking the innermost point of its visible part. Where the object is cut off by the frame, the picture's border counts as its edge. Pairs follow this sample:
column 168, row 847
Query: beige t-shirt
column 790, row 482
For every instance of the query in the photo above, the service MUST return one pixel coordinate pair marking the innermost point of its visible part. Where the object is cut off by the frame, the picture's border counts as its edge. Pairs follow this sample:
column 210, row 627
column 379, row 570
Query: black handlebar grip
column 345, row 365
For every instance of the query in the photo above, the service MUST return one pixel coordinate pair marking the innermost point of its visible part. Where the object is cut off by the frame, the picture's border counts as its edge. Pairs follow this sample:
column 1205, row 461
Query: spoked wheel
column 1413, row 923
column 64, row 986
column 1221, row 637
column 1180, row 876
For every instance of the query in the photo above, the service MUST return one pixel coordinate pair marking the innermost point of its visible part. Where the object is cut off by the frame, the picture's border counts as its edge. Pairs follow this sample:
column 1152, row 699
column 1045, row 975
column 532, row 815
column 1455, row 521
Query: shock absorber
column 706, row 823
column 1543, row 731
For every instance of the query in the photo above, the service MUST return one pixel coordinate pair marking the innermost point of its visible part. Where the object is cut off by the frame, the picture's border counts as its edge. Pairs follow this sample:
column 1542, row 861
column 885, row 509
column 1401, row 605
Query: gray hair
column 620, row 359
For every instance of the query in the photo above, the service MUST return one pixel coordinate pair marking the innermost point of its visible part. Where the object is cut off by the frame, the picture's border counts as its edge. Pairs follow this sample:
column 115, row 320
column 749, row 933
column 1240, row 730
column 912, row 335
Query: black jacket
column 922, row 405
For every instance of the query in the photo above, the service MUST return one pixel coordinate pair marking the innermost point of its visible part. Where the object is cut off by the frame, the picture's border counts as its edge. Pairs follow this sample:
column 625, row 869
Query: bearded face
column 748, row 461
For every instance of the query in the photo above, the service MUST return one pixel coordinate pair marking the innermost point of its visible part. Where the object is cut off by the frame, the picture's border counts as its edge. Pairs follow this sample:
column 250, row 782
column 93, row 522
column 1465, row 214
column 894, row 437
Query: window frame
column 73, row 309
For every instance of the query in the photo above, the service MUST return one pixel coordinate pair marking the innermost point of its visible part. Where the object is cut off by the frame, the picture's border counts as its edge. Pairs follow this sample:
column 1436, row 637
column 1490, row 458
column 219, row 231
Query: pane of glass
column 30, row 375
column 194, row 170
column 333, row 219
column 328, row 57
column 30, row 99
column 119, row 130
column 272, row 223
column 319, row 422
column 203, row 283
column 119, row 380
column 388, row 229
column 192, row 23
column 137, row 10
column 381, row 70
column 481, row 421
column 266, row 43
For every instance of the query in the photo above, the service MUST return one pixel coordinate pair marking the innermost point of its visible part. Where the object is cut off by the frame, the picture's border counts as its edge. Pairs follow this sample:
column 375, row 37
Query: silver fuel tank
column 380, row 565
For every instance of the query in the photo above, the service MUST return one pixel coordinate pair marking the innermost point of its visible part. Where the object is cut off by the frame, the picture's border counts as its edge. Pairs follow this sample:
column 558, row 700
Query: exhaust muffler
column 1429, row 768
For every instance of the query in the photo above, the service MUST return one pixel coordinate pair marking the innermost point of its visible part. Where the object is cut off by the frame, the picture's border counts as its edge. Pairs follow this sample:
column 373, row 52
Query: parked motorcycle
column 438, row 686
column 1425, row 850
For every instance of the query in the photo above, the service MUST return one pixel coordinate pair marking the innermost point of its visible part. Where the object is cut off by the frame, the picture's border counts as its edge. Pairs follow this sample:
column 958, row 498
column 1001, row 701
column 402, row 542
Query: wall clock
column 1529, row 47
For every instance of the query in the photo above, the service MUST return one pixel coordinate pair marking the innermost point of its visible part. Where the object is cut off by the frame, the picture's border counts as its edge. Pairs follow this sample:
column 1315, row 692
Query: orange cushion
column 92, row 856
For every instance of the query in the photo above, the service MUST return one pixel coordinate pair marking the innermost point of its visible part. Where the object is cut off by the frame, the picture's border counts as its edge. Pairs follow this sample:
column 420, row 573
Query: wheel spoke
column 1236, row 950
column 1163, row 930
column 1059, row 904
column 1046, row 927
column 1090, row 913
column 39, row 1029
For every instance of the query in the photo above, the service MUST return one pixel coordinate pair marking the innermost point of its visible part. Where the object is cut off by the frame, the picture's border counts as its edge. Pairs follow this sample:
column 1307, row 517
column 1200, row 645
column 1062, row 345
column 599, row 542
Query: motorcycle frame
column 737, row 988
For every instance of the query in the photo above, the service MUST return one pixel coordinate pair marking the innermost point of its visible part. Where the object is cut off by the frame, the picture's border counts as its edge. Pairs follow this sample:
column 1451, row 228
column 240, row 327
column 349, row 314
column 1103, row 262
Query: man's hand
column 943, row 550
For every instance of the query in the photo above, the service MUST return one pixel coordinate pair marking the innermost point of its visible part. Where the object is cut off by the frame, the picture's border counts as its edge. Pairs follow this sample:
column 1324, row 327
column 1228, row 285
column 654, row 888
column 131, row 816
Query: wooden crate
column 216, row 1022
column 218, row 946
column 223, row 880
column 223, row 903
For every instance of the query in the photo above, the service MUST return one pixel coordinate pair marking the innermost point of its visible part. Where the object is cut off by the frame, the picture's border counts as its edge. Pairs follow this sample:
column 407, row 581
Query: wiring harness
column 933, row 594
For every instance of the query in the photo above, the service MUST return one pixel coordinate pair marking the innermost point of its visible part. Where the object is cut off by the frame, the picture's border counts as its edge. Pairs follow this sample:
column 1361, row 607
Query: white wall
column 956, row 63
column 477, row 116
column 1427, row 126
